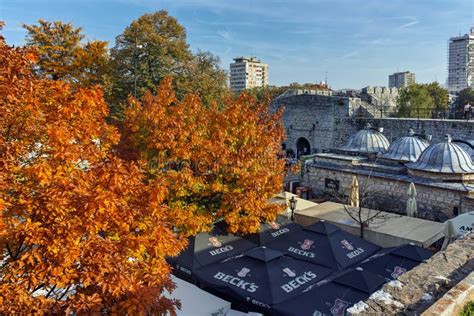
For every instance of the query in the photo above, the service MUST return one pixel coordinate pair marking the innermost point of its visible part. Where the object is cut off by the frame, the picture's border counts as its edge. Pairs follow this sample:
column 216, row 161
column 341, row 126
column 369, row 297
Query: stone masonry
column 327, row 122
column 316, row 118
column 425, row 285
column 388, row 192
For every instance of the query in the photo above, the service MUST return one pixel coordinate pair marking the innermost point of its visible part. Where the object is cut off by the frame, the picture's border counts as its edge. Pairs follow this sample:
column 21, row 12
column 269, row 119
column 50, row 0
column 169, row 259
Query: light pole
column 135, row 66
column 293, row 208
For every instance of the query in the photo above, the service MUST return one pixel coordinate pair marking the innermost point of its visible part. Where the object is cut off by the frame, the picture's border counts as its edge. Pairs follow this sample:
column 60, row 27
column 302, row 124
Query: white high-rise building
column 401, row 79
column 461, row 62
column 247, row 73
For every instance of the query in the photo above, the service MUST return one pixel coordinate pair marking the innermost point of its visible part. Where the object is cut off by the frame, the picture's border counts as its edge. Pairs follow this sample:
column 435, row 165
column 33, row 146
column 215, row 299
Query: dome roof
column 445, row 157
column 367, row 141
column 406, row 149
column 467, row 148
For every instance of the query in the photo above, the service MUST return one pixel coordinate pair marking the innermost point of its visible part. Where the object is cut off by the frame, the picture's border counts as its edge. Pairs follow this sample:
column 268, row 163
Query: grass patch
column 468, row 310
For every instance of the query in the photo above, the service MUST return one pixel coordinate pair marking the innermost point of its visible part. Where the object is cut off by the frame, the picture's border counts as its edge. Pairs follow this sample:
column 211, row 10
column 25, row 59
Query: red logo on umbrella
column 398, row 271
column 215, row 242
column 307, row 244
column 347, row 245
column 275, row 225
column 339, row 307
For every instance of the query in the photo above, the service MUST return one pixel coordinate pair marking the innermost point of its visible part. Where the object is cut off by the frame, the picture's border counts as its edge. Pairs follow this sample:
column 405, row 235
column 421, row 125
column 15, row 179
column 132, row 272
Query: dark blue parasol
column 207, row 248
column 390, row 263
column 259, row 279
column 325, row 244
column 281, row 227
column 334, row 297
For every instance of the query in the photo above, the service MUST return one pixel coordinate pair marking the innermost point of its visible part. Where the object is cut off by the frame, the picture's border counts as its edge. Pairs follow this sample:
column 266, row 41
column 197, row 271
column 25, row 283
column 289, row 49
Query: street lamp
column 135, row 65
column 293, row 207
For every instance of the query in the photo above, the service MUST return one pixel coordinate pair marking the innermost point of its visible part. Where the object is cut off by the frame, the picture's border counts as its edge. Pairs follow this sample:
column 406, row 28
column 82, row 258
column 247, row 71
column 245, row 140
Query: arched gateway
column 302, row 147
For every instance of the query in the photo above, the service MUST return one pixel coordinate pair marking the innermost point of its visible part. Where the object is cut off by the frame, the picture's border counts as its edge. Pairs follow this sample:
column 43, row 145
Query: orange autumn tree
column 80, row 229
column 217, row 162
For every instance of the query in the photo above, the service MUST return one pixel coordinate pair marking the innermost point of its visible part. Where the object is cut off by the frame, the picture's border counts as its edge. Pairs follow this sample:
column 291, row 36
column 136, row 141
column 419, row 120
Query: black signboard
column 331, row 184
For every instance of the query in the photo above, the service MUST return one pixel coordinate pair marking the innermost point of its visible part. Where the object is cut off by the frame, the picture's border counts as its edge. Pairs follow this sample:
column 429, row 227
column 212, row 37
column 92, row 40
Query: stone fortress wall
column 327, row 122
column 424, row 289
column 316, row 118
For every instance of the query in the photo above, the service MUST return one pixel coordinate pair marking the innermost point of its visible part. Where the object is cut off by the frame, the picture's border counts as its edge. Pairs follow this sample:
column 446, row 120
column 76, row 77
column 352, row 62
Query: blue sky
column 358, row 42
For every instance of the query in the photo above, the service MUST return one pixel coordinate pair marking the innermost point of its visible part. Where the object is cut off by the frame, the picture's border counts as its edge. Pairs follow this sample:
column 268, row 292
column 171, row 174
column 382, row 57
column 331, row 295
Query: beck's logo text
column 221, row 250
column 354, row 253
column 298, row 281
column 237, row 282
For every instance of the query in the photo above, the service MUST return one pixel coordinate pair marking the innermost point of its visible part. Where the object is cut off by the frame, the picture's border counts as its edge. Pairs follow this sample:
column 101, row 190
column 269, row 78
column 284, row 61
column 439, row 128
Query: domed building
column 405, row 149
column 367, row 141
column 468, row 146
column 443, row 173
column 445, row 161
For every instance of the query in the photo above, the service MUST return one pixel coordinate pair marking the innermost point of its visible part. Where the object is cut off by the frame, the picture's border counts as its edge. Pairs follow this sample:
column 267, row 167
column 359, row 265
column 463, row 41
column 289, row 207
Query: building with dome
column 443, row 173
column 405, row 149
column 366, row 142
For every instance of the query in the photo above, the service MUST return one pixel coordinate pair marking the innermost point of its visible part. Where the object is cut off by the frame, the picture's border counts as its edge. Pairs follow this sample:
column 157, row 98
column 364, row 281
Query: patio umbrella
column 411, row 201
column 206, row 248
column 354, row 198
column 390, row 263
column 334, row 297
column 259, row 279
column 325, row 244
column 271, row 231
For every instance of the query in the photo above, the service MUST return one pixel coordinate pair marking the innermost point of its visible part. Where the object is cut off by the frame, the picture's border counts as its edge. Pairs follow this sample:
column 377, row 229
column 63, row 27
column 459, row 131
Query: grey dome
column 445, row 157
column 406, row 149
column 367, row 141
column 467, row 148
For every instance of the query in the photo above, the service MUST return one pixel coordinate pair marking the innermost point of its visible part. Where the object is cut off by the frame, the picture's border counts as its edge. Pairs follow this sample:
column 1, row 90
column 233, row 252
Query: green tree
column 464, row 96
column 63, row 55
column 153, row 47
column 265, row 94
column 415, row 101
column 203, row 76
column 439, row 95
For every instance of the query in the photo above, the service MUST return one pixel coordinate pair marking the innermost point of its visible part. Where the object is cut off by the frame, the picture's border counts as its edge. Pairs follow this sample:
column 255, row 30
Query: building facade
column 401, row 79
column 247, row 73
column 443, row 174
column 461, row 62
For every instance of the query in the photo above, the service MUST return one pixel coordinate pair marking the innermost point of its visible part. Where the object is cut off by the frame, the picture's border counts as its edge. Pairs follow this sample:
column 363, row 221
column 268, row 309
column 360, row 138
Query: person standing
column 467, row 111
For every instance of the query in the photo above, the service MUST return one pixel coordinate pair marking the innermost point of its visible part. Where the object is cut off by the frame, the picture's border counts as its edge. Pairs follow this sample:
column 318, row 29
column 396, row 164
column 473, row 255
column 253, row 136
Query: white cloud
column 408, row 24
column 350, row 55
column 224, row 34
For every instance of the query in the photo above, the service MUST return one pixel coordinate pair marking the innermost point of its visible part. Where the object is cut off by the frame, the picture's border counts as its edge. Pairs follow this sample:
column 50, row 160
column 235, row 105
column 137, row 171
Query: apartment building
column 247, row 73
column 401, row 79
column 461, row 62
